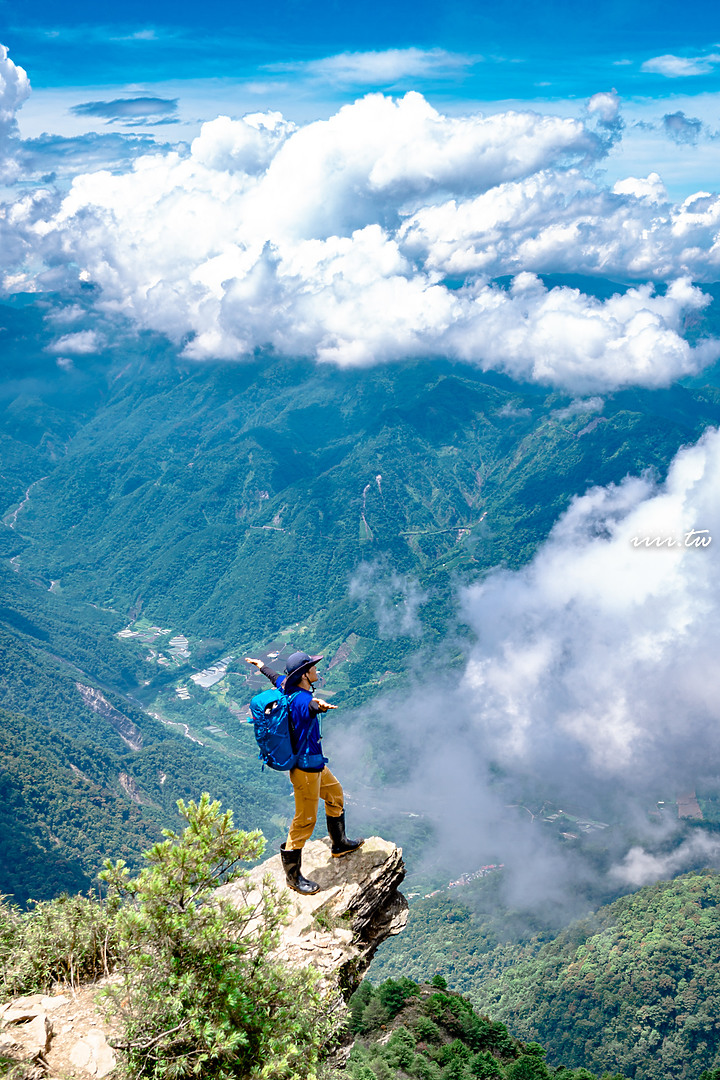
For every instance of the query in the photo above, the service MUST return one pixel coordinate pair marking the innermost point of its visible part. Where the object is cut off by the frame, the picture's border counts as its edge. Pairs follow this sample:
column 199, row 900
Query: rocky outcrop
column 338, row 929
column 57, row 1035
column 124, row 726
column 131, row 789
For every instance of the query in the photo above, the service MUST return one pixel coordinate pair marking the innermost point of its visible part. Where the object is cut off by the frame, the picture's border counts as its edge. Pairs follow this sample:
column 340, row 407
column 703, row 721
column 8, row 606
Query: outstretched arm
column 264, row 669
column 321, row 706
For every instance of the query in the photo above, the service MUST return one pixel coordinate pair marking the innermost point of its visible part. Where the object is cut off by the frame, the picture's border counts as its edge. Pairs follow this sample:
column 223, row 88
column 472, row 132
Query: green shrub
column 527, row 1067
column 200, row 995
column 500, row 1041
column 454, row 1070
column 427, row 1030
column 476, row 1031
column 425, row 1069
column 438, row 1005
column 485, row 1067
column 401, row 1048
column 358, row 1060
column 382, row 1070
column 362, row 1072
column 374, row 1015
column 393, row 994
column 357, row 1004
column 68, row 940
column 456, row 1050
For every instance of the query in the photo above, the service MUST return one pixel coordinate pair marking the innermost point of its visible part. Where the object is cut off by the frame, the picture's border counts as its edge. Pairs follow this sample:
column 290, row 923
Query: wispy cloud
column 394, row 599
column 79, row 344
column 60, row 157
column 102, row 33
column 640, row 867
column 147, row 34
column 127, row 108
column 382, row 68
column 675, row 67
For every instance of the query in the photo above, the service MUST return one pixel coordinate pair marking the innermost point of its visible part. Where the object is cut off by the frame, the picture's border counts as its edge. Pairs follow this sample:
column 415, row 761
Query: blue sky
column 520, row 50
column 307, row 59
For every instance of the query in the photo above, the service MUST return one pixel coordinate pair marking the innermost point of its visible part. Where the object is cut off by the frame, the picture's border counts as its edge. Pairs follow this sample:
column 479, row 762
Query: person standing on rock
column 311, row 779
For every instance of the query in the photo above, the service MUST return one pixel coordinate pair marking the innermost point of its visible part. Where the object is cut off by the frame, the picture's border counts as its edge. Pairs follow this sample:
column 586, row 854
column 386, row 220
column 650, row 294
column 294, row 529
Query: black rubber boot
column 340, row 843
column 291, row 861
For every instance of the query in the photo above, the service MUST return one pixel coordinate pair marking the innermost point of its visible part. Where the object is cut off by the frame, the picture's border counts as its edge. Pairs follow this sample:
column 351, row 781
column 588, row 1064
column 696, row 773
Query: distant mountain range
column 239, row 505
column 633, row 987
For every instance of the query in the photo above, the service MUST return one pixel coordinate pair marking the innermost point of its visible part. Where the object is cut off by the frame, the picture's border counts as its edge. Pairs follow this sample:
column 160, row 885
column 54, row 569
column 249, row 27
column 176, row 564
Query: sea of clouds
column 375, row 236
column 591, row 679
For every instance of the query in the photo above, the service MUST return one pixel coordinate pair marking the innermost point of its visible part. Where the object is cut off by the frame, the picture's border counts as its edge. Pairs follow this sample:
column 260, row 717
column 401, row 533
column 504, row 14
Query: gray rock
column 56, row 1035
column 93, row 1054
column 338, row 929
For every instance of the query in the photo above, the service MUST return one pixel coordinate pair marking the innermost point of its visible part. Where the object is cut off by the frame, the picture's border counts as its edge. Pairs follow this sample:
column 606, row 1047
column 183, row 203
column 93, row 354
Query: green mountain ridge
column 235, row 505
column 634, row 987
column 405, row 1029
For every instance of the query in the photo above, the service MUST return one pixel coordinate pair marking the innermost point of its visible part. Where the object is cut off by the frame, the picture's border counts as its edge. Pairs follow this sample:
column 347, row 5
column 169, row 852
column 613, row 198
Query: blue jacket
column 305, row 724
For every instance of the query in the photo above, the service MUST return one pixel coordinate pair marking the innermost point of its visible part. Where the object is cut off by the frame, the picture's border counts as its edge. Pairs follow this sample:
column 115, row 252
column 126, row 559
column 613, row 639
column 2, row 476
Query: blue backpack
column 270, row 715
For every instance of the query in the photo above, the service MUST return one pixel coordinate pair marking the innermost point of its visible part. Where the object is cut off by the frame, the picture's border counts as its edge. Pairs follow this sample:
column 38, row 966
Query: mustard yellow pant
column 309, row 788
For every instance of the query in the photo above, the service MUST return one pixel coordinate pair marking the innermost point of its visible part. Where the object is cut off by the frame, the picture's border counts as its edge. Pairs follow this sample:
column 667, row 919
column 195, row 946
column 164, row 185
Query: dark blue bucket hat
column 297, row 664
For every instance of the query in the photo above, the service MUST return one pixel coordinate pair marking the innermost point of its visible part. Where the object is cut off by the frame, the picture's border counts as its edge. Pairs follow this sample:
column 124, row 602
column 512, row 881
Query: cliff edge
column 336, row 931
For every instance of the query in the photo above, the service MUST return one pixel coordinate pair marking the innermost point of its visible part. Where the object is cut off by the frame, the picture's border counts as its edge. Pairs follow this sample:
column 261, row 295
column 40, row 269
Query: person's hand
column 322, row 706
column 258, row 663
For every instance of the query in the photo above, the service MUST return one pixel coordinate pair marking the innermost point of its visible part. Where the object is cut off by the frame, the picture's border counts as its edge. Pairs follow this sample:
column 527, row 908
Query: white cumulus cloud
column 561, row 221
column 14, row 89
column 605, row 643
column 246, row 145
column 80, row 343
column 371, row 237
column 605, row 105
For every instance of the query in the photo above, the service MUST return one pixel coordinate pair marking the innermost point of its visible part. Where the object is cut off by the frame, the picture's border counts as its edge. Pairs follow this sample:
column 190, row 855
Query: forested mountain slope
column 231, row 502
column 240, row 499
column 79, row 784
column 635, row 987
column 404, row 1029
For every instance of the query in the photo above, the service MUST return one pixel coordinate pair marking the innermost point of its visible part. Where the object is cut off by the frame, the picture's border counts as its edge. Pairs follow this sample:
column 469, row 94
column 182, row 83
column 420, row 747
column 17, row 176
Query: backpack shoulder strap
column 303, row 744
